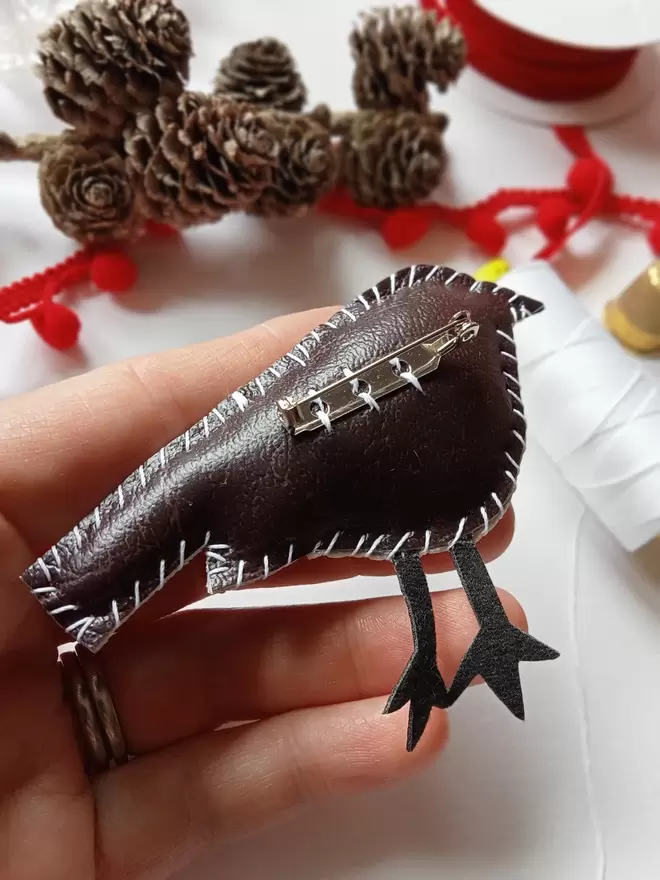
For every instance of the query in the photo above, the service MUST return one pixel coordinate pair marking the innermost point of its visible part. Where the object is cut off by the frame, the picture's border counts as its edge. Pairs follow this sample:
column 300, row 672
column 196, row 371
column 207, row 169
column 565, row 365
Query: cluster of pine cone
column 140, row 146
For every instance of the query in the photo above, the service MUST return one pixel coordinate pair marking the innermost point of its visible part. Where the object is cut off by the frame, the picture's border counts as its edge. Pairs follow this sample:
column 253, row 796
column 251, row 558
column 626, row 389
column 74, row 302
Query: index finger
column 66, row 446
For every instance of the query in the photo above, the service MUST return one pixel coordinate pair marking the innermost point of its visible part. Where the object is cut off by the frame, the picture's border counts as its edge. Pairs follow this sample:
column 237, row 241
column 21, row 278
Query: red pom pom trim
column 589, row 178
column 654, row 237
column 113, row 271
column 486, row 230
column 57, row 325
column 553, row 216
column 404, row 228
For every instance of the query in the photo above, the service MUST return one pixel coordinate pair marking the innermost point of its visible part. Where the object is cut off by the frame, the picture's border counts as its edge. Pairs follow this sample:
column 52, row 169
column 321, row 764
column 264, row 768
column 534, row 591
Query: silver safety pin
column 377, row 379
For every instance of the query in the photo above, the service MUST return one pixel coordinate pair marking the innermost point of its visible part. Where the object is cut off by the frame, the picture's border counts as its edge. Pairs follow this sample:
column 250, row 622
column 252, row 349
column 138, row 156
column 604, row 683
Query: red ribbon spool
column 530, row 65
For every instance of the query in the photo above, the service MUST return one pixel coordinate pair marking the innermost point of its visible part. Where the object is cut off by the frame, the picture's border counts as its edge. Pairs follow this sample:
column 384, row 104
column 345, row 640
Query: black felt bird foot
column 499, row 646
column 494, row 655
column 422, row 686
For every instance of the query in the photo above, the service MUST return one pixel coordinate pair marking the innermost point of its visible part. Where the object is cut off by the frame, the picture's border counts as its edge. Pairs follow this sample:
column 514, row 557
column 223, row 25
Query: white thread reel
column 591, row 407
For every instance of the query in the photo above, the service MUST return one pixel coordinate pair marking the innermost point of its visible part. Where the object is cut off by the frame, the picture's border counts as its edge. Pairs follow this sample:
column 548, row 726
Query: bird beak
column 524, row 307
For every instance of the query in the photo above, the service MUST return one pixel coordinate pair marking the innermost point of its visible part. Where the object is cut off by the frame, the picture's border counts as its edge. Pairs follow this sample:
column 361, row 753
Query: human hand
column 314, row 677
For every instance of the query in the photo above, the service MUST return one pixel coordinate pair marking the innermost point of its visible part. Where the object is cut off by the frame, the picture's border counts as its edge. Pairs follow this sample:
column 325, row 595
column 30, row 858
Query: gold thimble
column 634, row 316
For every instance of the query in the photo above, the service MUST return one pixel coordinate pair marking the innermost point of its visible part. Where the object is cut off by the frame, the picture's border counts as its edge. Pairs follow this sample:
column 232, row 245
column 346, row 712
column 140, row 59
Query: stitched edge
column 485, row 520
column 388, row 544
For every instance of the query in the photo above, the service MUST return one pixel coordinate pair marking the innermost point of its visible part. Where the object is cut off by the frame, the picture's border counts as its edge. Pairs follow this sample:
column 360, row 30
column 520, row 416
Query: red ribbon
column 531, row 65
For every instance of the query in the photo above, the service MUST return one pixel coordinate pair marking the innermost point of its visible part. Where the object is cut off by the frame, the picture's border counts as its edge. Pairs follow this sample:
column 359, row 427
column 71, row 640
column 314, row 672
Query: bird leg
column 421, row 683
column 499, row 646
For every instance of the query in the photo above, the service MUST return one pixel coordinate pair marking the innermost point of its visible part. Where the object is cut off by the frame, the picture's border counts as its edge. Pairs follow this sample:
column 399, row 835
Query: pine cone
column 397, row 52
column 107, row 59
column 85, row 190
column 322, row 115
column 262, row 73
column 307, row 166
column 193, row 159
column 393, row 159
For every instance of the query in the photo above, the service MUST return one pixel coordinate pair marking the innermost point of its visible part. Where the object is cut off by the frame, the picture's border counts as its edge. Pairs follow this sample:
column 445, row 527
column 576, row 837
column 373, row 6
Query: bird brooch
column 394, row 429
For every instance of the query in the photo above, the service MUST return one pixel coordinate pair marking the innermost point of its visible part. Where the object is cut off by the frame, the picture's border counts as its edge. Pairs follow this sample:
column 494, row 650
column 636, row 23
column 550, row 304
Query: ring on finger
column 99, row 733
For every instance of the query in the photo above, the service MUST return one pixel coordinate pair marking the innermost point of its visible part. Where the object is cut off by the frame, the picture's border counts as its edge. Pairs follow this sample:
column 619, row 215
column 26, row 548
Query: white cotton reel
column 590, row 406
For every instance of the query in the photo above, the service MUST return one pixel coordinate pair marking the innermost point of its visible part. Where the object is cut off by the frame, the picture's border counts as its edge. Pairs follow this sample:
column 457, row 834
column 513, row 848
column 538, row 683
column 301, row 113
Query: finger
column 196, row 670
column 159, row 812
column 65, row 447
column 23, row 622
column 190, row 585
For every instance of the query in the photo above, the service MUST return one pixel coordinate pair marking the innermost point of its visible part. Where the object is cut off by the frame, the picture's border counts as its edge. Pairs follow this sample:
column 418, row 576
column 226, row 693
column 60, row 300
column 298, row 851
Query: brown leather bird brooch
column 393, row 430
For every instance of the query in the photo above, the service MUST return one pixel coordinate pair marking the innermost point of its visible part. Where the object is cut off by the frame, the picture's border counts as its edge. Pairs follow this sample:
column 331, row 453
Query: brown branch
column 26, row 149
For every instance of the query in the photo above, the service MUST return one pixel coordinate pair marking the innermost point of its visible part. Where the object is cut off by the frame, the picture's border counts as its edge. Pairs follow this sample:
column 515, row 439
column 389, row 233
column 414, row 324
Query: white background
column 574, row 792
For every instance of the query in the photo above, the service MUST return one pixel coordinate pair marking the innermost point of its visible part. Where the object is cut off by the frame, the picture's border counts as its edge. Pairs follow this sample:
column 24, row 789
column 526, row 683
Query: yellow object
column 618, row 323
column 492, row 271
column 634, row 316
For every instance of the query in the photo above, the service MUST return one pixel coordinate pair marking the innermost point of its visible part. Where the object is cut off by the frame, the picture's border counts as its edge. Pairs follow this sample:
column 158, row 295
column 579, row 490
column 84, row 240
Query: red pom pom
column 486, row 230
column 553, row 216
column 404, row 228
column 56, row 324
column 160, row 230
column 654, row 237
column 585, row 178
column 113, row 271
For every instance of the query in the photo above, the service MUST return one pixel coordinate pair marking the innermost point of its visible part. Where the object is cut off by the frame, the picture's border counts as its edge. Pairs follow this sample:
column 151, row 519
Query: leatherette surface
column 242, row 488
